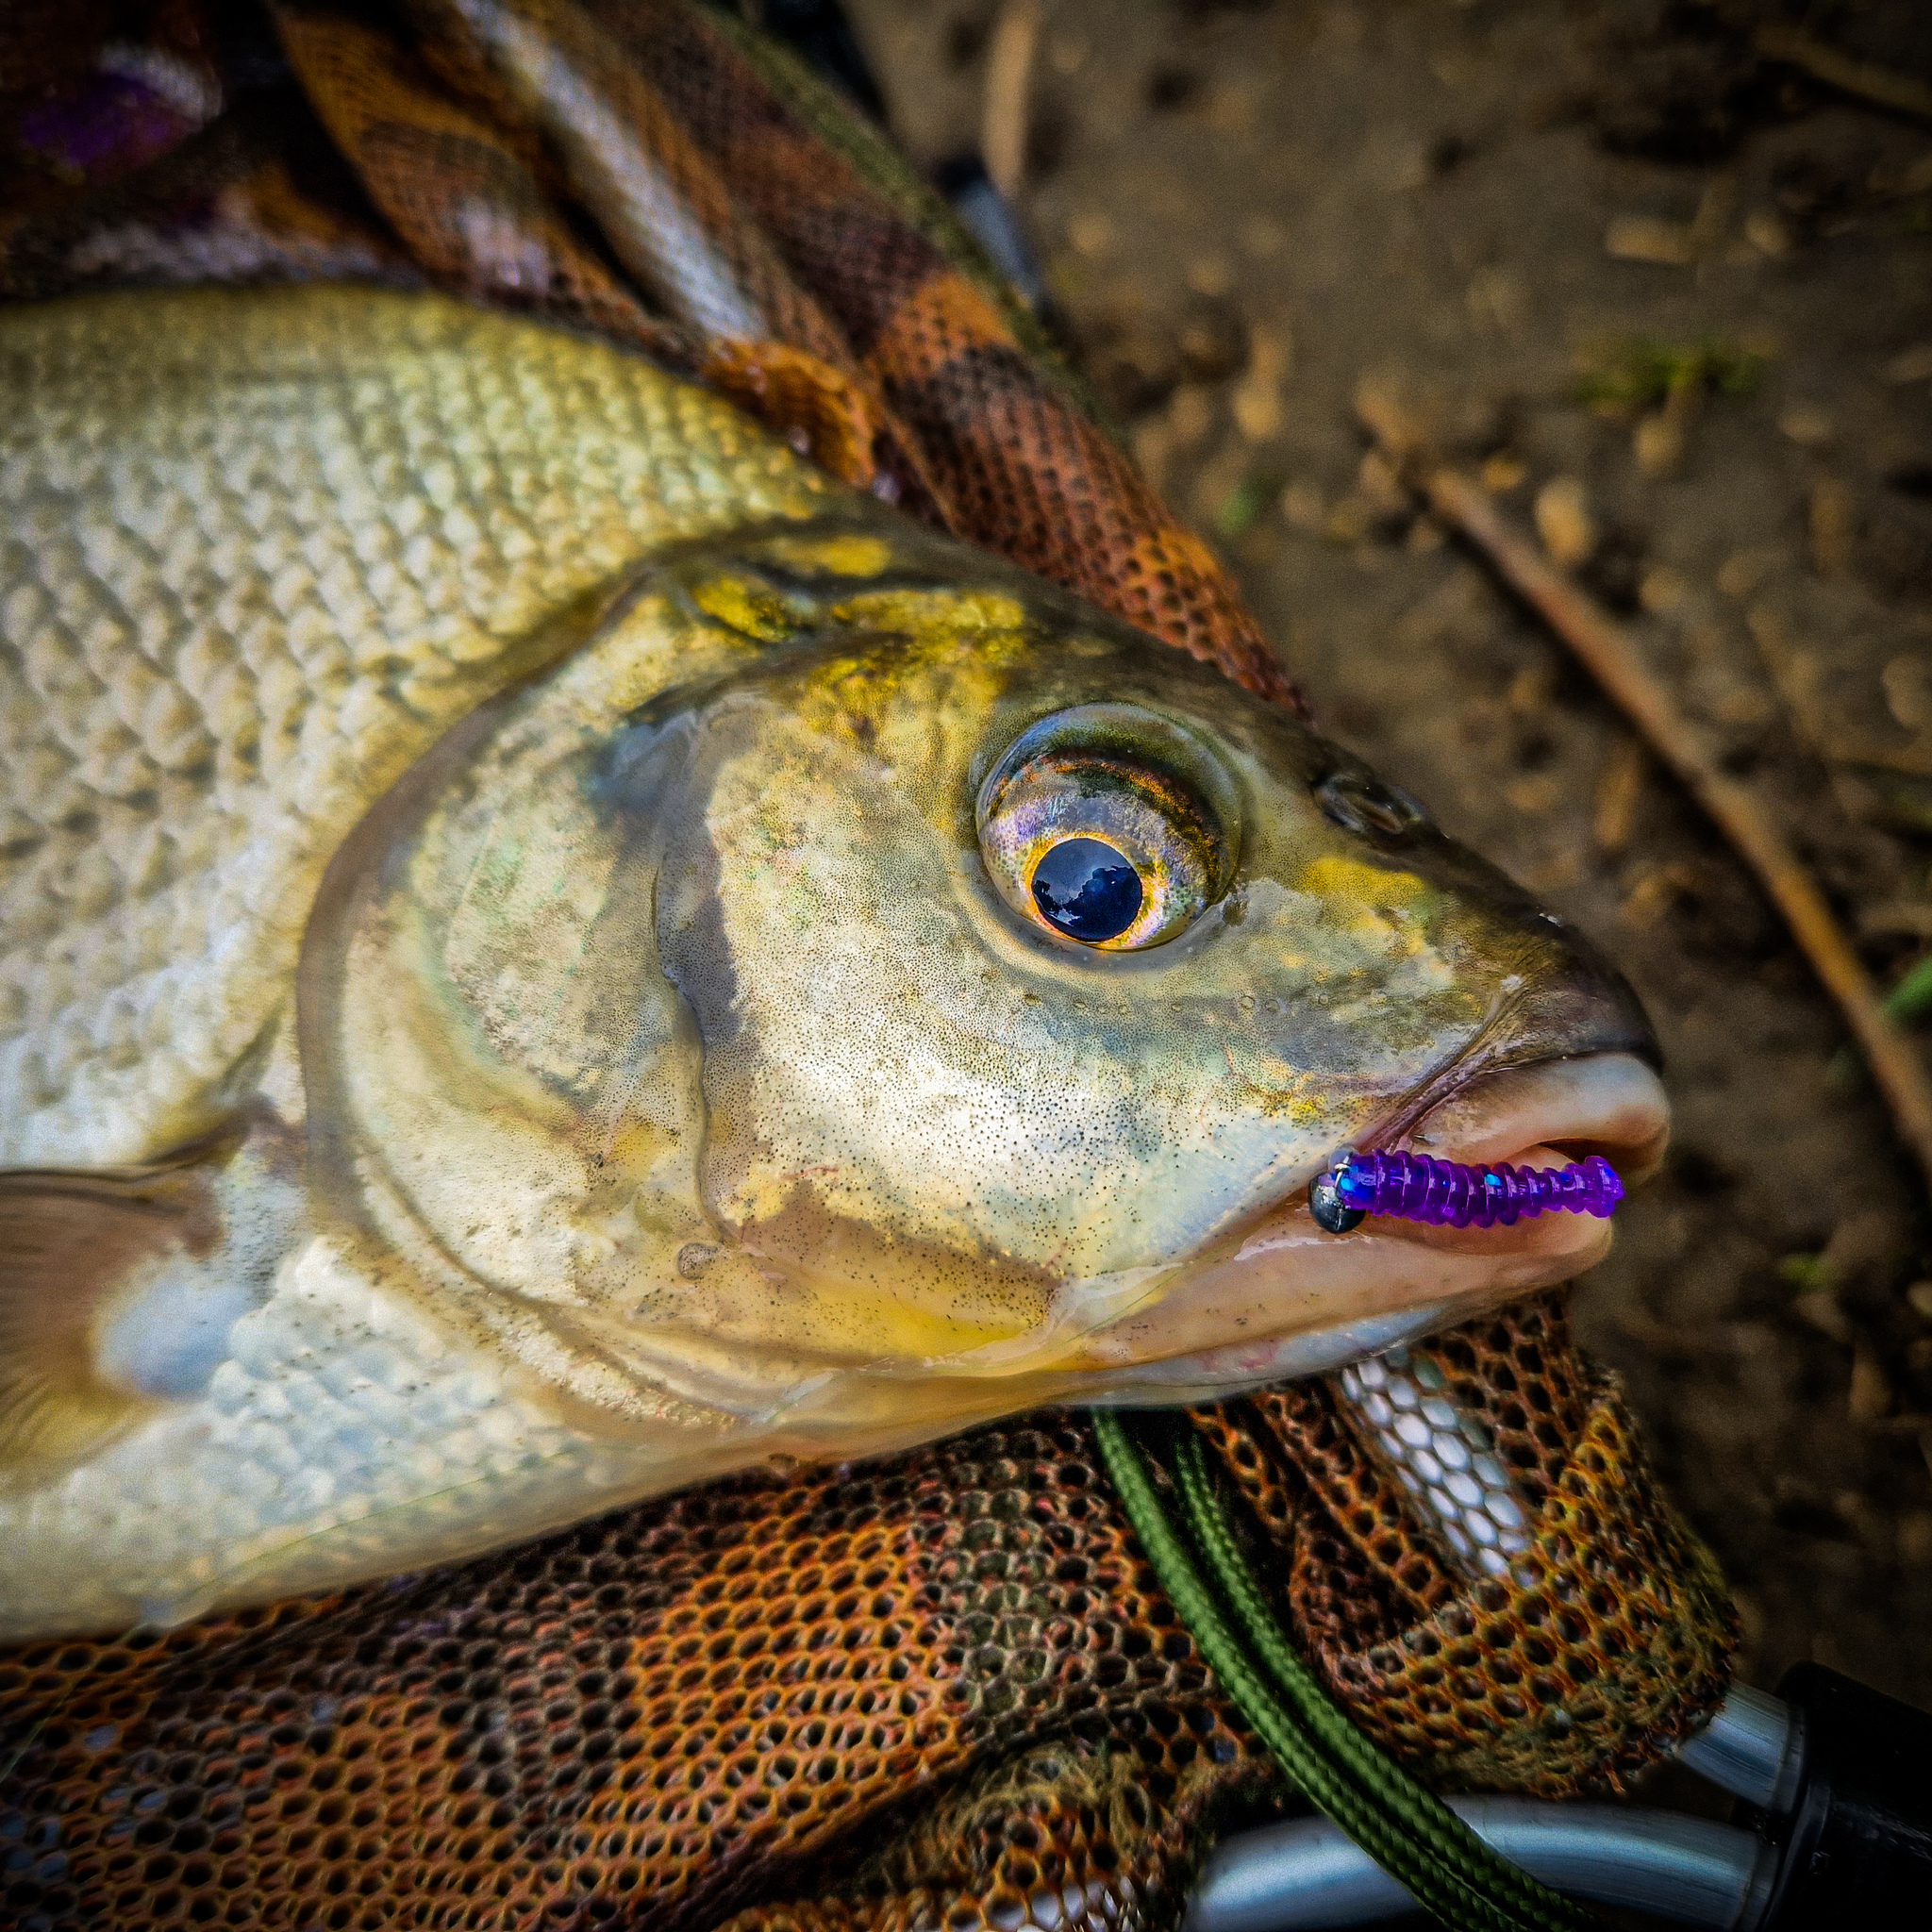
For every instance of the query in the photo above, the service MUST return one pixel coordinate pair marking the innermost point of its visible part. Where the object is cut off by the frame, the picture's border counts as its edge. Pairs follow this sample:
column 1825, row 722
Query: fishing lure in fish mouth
column 1452, row 1194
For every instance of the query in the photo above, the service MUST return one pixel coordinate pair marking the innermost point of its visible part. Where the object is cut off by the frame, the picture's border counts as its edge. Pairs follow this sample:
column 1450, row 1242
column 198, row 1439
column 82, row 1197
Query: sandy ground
column 1553, row 217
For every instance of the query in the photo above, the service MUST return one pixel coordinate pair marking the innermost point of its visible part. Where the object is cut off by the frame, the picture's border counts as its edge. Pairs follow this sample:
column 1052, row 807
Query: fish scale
column 296, row 621
column 294, row 1403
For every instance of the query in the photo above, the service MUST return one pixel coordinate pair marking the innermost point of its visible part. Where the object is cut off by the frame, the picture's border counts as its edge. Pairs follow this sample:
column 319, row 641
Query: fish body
column 525, row 983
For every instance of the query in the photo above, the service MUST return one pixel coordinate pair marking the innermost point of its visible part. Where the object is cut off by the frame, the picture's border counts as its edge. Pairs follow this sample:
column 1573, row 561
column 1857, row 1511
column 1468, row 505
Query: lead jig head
column 1417, row 1187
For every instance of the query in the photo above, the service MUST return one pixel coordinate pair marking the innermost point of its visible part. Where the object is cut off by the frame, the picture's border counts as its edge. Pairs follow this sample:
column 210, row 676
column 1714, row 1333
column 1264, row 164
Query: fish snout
column 1583, row 1004
column 1566, row 1066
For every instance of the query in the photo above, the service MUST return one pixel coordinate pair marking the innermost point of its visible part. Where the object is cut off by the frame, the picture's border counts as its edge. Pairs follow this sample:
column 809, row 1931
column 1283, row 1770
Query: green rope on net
column 1402, row 1825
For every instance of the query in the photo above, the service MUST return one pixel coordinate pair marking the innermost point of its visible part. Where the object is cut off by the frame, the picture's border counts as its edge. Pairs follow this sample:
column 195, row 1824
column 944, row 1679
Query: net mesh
column 947, row 1675
column 1602, row 1643
column 677, row 1709
column 953, row 1670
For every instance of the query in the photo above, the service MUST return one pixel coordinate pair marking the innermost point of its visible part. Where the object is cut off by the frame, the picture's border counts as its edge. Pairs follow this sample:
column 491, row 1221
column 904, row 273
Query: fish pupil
column 1087, row 890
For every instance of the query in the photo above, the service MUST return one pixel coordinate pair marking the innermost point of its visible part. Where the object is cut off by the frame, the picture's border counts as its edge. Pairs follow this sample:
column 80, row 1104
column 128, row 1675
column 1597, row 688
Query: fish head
column 866, row 990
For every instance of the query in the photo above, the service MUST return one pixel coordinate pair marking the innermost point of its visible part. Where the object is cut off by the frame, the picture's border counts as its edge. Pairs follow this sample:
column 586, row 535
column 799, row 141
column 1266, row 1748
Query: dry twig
column 1608, row 654
column 1796, row 48
column 1008, row 74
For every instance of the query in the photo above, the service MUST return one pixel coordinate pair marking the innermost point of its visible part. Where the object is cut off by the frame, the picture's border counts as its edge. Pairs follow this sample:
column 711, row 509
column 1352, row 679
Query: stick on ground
column 1608, row 654
column 1880, row 85
column 1008, row 76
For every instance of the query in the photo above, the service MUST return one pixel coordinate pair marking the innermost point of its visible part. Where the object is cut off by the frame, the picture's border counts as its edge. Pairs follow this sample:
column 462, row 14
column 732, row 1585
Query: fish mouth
column 1551, row 1114
column 1305, row 1300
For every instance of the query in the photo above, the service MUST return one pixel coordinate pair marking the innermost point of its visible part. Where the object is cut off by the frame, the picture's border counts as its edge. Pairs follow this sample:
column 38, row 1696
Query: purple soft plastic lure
column 1416, row 1187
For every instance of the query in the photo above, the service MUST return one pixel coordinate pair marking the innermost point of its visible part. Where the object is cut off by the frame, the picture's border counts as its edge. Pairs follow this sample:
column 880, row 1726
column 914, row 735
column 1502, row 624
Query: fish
column 533, row 975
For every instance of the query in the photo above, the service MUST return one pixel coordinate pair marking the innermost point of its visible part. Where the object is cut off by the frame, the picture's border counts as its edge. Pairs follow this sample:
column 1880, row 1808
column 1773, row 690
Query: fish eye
column 1109, row 826
column 1088, row 888
column 1359, row 803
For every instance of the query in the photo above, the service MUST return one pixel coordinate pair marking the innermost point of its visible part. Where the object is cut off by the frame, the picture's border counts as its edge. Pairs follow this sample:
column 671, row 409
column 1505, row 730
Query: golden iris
column 1108, row 825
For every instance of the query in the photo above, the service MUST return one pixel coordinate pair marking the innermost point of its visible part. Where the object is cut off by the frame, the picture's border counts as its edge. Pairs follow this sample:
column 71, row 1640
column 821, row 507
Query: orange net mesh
column 941, row 1689
column 1018, row 465
column 954, row 1665
column 1600, row 1644
column 1062, row 1839
column 677, row 1709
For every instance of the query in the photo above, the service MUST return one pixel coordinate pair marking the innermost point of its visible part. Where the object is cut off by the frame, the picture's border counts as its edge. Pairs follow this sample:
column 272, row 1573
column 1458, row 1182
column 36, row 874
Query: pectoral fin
column 78, row 1252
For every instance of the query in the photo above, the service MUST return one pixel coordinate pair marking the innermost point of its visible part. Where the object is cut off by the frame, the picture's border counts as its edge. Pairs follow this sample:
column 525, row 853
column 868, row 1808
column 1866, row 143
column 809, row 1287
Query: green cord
column 1404, row 1827
column 1419, row 1809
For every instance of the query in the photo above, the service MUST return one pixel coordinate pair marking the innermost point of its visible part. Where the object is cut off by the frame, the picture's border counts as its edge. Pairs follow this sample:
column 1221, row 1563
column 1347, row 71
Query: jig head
column 1416, row 1187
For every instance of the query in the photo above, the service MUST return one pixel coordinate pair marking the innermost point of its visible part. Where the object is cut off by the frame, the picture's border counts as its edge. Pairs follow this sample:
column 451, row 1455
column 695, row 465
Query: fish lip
column 1499, row 1046
column 1633, row 1125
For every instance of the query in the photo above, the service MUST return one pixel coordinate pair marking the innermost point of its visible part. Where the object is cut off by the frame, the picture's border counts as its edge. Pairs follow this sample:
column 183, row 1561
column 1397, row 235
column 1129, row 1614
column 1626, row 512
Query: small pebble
column 1870, row 1400
column 1536, row 795
column 1214, row 341
column 1255, row 399
column 1804, row 423
column 1659, row 443
column 1531, row 689
column 1231, row 108
column 1377, row 481
column 1643, row 238
column 1564, row 522
column 1766, row 232
column 1915, row 1540
column 1503, row 471
column 1654, row 890
column 1619, row 792
column 1907, row 681
column 1092, row 235
column 1915, row 179
column 1833, row 521
column 1210, row 274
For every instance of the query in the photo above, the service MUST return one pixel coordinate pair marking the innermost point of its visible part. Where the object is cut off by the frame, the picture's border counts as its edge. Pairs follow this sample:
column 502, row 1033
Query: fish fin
column 72, row 1243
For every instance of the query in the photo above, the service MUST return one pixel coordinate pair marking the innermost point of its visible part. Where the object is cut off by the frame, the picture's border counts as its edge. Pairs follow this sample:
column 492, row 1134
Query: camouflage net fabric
column 939, row 1689
column 942, row 1690
column 670, row 1711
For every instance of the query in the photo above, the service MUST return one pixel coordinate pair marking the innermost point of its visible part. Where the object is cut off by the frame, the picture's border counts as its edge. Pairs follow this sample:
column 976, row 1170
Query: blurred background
column 1664, row 274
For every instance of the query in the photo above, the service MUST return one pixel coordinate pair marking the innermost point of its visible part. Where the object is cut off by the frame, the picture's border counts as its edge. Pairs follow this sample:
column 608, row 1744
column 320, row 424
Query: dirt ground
column 1675, row 301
